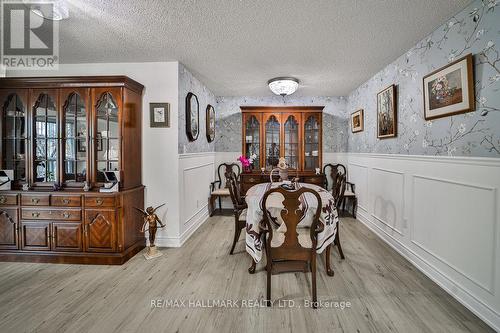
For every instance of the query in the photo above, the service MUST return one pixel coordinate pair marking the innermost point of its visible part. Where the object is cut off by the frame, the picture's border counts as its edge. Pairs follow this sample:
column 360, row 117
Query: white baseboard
column 179, row 241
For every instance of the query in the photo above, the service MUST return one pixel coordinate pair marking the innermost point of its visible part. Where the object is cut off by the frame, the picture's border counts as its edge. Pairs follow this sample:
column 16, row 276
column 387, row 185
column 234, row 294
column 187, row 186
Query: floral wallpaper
column 474, row 30
column 188, row 83
column 228, row 125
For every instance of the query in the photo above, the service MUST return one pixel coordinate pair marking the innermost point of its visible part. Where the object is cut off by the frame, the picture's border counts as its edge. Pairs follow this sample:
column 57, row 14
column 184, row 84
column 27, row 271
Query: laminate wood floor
column 386, row 292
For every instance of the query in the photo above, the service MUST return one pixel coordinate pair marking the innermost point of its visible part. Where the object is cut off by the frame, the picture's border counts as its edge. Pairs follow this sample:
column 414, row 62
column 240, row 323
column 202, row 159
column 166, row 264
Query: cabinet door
column 35, row 236
column 312, row 141
column 45, row 134
column 252, row 138
column 8, row 229
column 67, row 236
column 106, row 133
column 291, row 139
column 100, row 231
column 13, row 133
column 75, row 136
column 272, row 139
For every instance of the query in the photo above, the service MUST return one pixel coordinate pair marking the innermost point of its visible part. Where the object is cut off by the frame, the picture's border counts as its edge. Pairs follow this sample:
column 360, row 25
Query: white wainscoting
column 196, row 172
column 442, row 214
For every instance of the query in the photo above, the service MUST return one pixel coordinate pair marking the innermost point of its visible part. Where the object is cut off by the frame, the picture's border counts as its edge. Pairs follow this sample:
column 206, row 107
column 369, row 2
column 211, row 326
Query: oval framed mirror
column 210, row 123
column 192, row 117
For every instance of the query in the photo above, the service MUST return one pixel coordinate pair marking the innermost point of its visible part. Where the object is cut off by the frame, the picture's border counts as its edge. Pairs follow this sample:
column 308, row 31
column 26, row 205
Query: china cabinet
column 294, row 133
column 59, row 135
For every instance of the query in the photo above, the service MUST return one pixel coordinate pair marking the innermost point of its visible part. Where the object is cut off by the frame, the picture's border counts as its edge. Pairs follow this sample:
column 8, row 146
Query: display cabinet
column 291, row 132
column 59, row 135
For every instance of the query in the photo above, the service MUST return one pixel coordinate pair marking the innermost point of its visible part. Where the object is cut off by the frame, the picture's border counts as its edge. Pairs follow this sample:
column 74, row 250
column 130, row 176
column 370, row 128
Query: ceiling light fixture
column 283, row 85
column 55, row 10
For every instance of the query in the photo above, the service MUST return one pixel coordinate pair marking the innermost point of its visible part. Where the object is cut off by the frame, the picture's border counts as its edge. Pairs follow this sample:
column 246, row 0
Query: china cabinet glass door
column 107, row 147
column 75, row 133
column 252, row 139
column 311, row 142
column 272, row 137
column 291, row 141
column 45, row 138
column 14, row 135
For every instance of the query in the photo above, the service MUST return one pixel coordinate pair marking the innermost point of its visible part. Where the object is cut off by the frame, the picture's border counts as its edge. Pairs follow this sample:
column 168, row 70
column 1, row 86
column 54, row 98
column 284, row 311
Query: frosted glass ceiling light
column 283, row 85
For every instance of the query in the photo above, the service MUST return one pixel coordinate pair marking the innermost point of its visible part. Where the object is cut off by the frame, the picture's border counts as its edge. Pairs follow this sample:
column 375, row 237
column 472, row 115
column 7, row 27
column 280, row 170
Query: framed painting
column 387, row 121
column 449, row 90
column 357, row 121
column 210, row 123
column 192, row 117
column 159, row 115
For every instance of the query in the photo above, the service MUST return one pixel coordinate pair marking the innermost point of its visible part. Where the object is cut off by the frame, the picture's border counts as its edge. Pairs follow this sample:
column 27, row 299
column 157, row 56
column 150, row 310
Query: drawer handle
column 251, row 180
column 35, row 214
column 98, row 201
column 2, row 199
column 66, row 215
column 66, row 201
column 35, row 200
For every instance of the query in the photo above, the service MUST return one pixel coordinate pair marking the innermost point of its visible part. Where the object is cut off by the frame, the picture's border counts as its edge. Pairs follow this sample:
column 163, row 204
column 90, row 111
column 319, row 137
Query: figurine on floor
column 152, row 221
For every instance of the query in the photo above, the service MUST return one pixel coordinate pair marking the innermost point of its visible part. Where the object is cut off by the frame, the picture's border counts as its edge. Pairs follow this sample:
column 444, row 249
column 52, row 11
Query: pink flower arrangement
column 247, row 162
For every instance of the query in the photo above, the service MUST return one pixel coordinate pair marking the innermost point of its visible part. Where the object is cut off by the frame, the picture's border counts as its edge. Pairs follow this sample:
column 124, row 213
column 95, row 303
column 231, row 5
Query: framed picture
column 210, row 123
column 81, row 146
column 449, row 90
column 387, row 121
column 357, row 121
column 159, row 115
column 99, row 141
column 192, row 117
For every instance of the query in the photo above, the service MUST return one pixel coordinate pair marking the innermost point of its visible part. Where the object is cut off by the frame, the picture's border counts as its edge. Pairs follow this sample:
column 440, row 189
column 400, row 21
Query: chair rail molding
column 440, row 213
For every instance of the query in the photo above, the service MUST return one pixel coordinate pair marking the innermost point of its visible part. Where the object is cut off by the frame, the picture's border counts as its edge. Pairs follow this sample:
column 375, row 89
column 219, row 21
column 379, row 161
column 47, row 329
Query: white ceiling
column 235, row 46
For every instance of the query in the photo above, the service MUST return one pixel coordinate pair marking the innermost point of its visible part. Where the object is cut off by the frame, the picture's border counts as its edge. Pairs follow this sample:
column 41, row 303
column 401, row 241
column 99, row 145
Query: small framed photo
column 357, row 121
column 387, row 121
column 449, row 90
column 99, row 141
column 159, row 114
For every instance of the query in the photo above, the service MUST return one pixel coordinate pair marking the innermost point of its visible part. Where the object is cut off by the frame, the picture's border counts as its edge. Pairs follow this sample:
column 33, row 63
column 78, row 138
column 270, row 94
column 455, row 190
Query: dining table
column 255, row 227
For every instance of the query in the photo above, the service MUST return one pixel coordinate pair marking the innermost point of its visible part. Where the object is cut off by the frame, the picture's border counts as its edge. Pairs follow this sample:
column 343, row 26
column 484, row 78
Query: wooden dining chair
column 338, row 191
column 218, row 189
column 350, row 191
column 239, row 205
column 295, row 248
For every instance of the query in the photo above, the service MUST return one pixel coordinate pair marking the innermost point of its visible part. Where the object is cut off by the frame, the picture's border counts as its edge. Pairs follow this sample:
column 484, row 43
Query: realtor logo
column 29, row 41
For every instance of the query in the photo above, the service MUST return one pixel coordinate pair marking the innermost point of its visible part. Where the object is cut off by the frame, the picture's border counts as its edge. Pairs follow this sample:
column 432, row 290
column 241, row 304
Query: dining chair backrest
column 335, row 170
column 234, row 187
column 338, row 189
column 223, row 168
column 291, row 214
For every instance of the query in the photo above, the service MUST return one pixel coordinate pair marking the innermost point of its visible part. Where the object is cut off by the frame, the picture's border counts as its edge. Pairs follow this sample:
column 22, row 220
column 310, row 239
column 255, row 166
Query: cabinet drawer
column 65, row 201
column 99, row 201
column 8, row 199
column 252, row 179
column 51, row 214
column 318, row 180
column 35, row 199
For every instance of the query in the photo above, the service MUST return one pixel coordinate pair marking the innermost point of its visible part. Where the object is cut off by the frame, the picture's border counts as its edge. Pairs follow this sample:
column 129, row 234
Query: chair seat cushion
column 243, row 215
column 221, row 192
column 348, row 193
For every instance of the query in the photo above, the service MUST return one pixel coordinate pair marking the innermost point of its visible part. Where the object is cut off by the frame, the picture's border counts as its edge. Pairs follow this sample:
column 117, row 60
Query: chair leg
column 237, row 233
column 337, row 242
column 313, row 273
column 344, row 200
column 269, row 269
column 220, row 204
column 329, row 269
column 211, row 203
column 354, row 207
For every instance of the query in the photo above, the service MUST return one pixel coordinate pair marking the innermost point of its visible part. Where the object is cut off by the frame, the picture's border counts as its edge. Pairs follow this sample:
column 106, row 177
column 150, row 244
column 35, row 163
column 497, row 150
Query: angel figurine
column 152, row 221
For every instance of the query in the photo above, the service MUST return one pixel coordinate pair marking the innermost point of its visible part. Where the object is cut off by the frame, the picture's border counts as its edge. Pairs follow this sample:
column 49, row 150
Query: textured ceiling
column 235, row 46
